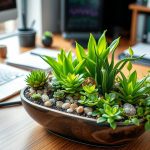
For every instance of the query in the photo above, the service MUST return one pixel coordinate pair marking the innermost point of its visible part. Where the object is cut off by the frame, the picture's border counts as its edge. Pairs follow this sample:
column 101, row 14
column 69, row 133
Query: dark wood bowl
column 79, row 128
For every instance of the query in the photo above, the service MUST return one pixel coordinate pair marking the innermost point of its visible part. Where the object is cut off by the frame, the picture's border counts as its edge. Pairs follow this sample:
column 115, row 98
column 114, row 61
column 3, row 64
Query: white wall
column 46, row 13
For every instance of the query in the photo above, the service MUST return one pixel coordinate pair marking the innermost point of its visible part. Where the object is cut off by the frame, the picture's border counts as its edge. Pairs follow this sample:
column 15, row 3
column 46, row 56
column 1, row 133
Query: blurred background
column 75, row 19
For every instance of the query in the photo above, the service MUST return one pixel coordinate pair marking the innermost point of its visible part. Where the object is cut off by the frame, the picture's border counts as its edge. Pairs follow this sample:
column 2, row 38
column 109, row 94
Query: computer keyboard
column 12, row 80
column 7, row 75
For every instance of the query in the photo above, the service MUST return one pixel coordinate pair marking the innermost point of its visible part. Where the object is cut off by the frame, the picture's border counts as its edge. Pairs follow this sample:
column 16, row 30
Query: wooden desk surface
column 19, row 132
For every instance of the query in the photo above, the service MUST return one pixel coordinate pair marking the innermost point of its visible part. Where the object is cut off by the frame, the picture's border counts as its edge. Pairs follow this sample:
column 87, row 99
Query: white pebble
column 59, row 104
column 45, row 98
column 79, row 109
column 87, row 110
column 89, row 113
column 52, row 100
column 32, row 91
column 48, row 103
column 66, row 105
column 73, row 106
column 69, row 110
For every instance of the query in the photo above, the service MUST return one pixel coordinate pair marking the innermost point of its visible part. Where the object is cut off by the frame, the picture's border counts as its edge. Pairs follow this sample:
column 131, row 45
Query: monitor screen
column 81, row 16
column 8, row 10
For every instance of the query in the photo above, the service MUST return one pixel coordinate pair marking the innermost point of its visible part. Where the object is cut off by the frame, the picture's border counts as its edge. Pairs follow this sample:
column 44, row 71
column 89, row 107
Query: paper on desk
column 30, row 60
column 140, row 49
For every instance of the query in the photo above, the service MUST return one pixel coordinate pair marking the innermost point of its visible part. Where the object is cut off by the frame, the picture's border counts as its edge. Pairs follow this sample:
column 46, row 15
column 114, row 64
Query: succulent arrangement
column 92, row 84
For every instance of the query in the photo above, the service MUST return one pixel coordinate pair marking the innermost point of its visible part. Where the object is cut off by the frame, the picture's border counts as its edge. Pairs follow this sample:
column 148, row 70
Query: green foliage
column 131, row 89
column 66, row 70
column 132, row 120
column 71, row 83
column 37, row 79
column 93, row 75
column 89, row 96
column 64, row 65
column 110, row 114
column 97, row 63
column 110, row 99
column 36, row 96
column 48, row 34
column 59, row 94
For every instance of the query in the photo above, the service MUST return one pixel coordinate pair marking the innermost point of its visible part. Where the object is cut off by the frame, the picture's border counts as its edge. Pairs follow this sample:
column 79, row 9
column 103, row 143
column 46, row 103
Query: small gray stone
column 59, row 104
column 87, row 110
column 69, row 110
column 129, row 109
column 45, row 98
column 52, row 100
column 32, row 91
column 66, row 105
column 89, row 113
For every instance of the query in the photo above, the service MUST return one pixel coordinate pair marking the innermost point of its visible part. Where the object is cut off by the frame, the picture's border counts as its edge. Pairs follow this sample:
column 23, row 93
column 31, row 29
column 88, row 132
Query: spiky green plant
column 37, row 79
column 97, row 62
column 65, row 64
column 71, row 83
column 131, row 89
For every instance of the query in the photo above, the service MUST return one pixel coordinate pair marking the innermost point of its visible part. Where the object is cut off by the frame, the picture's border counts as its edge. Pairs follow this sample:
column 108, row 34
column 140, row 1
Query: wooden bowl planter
column 81, row 129
column 84, row 99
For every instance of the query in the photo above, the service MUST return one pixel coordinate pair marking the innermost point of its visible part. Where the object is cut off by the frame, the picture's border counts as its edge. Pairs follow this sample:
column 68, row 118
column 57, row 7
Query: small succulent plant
column 110, row 114
column 47, row 39
column 59, row 95
column 71, row 83
column 36, row 96
column 90, row 96
column 37, row 79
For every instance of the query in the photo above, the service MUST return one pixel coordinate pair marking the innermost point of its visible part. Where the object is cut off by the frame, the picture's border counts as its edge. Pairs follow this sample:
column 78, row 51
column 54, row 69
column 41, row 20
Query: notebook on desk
column 31, row 60
column 12, row 80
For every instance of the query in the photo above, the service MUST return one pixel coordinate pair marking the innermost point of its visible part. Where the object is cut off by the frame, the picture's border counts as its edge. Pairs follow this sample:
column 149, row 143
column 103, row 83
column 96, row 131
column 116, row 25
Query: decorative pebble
column 79, row 109
column 89, row 113
column 66, row 105
column 59, row 104
column 87, row 110
column 39, row 91
column 45, row 91
column 45, row 98
column 32, row 91
column 129, row 109
column 48, row 103
column 52, row 100
column 69, row 110
column 73, row 106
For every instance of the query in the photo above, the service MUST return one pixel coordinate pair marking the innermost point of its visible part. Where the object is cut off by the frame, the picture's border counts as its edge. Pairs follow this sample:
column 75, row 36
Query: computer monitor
column 81, row 17
column 8, row 10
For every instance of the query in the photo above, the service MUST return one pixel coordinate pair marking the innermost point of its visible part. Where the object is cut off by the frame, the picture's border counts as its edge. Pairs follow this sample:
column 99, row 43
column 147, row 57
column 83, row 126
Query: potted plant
column 88, row 98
